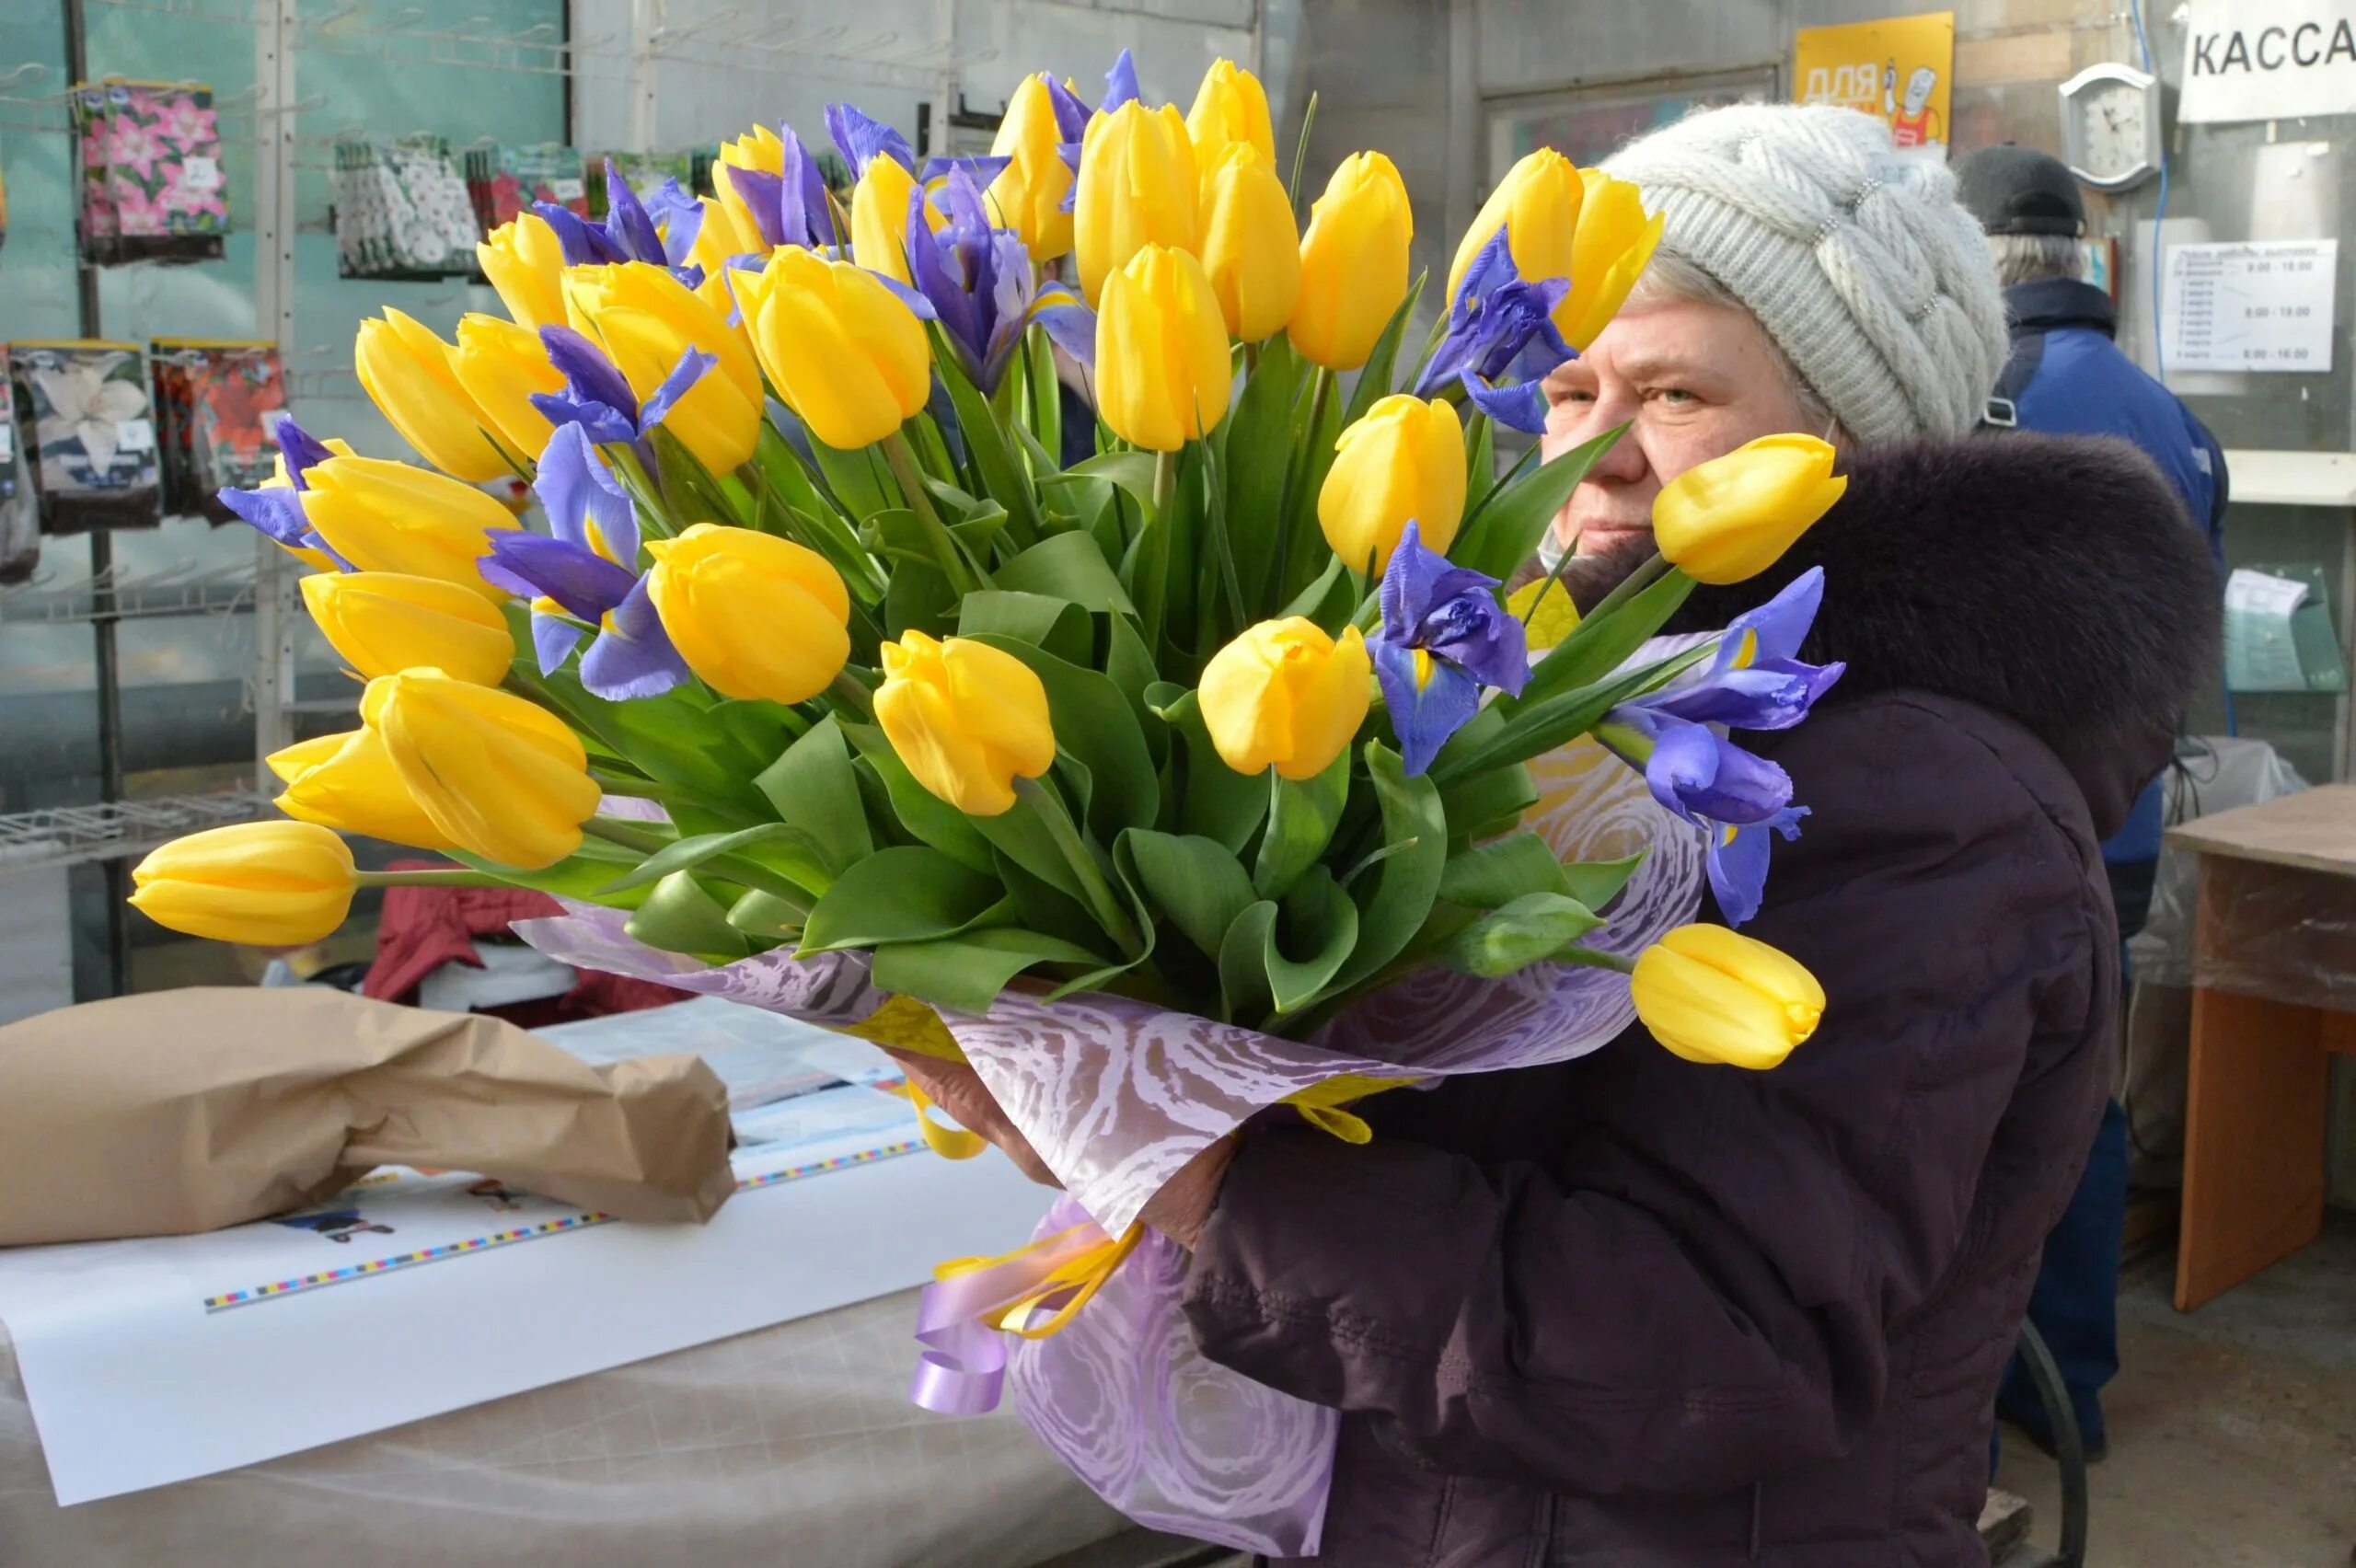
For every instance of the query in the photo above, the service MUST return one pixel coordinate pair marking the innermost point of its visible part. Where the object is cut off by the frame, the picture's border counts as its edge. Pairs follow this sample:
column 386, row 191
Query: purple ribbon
column 961, row 1370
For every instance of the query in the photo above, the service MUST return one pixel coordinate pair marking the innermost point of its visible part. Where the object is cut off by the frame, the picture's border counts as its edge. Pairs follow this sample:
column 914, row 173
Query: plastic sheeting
column 792, row 1447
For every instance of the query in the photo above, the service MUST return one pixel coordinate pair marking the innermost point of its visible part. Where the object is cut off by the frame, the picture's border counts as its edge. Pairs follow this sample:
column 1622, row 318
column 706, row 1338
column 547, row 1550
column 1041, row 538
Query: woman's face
column 1692, row 381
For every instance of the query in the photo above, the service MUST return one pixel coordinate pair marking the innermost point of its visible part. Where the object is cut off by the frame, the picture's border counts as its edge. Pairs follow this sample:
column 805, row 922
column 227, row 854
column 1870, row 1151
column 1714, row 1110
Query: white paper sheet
column 2265, row 305
column 761, row 1057
column 154, row 1361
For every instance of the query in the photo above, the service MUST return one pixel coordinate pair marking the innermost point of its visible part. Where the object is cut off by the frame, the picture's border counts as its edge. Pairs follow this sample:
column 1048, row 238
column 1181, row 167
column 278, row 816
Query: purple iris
column 633, row 655
column 1756, row 683
column 597, row 397
column 791, row 207
column 1444, row 637
column 1500, row 326
column 277, row 510
column 977, row 282
column 629, row 233
column 1737, row 861
column 862, row 139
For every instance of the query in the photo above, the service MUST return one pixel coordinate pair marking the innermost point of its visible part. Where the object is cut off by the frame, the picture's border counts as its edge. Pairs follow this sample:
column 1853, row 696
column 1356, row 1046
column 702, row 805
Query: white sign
column 2265, row 305
column 2269, row 60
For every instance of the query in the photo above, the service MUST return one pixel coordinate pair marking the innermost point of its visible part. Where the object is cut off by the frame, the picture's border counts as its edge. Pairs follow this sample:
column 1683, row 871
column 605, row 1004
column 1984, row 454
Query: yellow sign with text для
column 1899, row 69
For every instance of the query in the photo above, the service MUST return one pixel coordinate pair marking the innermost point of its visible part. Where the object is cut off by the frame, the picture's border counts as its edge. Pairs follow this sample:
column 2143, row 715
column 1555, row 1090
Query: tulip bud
column 1709, row 995
column 1162, row 367
column 501, row 364
column 715, row 243
column 348, row 783
column 1733, row 517
column 843, row 351
column 1353, row 263
column 269, row 883
column 383, row 517
column 525, row 262
column 1229, row 107
column 1537, row 204
column 500, row 777
column 647, row 319
column 753, row 615
column 1028, row 194
column 878, row 218
column 384, row 622
column 1614, row 242
column 406, row 372
column 1138, row 186
column 1285, row 696
column 1403, row 462
column 1251, row 248
column 729, row 220
column 967, row 720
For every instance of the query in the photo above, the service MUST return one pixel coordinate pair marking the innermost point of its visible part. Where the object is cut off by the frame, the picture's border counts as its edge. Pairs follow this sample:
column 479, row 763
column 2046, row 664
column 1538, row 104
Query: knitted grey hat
column 1860, row 263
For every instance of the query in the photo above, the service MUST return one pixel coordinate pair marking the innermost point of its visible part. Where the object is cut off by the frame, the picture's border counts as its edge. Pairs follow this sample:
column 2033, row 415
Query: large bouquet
column 1087, row 679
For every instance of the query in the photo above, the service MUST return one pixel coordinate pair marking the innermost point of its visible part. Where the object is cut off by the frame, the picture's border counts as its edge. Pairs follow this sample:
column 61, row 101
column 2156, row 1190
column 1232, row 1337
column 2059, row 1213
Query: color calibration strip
column 285, row 1288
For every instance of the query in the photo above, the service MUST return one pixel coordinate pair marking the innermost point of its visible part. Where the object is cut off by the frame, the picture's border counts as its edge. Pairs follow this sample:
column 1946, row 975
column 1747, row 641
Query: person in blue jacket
column 2067, row 376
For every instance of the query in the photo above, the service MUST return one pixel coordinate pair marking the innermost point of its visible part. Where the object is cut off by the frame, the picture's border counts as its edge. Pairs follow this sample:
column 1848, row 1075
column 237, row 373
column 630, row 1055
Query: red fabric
column 425, row 928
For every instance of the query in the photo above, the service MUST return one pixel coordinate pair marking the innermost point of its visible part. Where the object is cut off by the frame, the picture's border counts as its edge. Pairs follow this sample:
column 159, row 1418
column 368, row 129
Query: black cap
column 2016, row 190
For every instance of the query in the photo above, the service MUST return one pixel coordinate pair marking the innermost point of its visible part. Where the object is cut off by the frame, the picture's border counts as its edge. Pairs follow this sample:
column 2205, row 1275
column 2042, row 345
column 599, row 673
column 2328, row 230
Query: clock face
column 2112, row 132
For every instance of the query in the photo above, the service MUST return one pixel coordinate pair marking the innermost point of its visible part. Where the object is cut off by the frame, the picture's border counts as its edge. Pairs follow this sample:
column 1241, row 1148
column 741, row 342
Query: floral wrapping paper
column 216, row 406
column 401, row 210
column 87, row 410
column 152, row 183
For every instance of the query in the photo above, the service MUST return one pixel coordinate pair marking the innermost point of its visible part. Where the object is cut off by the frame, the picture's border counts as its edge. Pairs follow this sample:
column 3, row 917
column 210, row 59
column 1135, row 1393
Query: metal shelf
column 182, row 588
column 67, row 836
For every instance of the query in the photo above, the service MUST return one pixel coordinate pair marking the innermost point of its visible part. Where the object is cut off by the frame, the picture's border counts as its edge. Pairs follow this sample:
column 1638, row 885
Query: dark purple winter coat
column 1630, row 1310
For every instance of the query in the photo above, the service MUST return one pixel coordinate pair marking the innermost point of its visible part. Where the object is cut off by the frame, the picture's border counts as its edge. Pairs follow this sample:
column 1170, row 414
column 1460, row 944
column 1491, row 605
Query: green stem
column 852, row 693
column 1588, row 958
column 630, row 835
column 653, row 517
column 1165, row 482
column 1296, row 472
column 453, row 876
column 904, row 469
column 1103, row 902
column 1630, row 586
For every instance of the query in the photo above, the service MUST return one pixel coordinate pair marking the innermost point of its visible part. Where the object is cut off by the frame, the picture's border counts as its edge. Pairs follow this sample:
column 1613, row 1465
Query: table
column 2274, row 974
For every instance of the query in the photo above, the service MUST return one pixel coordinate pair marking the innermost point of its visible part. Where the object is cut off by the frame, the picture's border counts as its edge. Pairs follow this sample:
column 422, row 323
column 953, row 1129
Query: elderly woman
column 1634, row 1310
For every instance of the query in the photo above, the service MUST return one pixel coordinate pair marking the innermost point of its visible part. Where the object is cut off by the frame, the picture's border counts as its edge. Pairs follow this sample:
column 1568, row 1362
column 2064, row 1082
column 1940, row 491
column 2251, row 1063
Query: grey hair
column 1671, row 276
column 2027, row 257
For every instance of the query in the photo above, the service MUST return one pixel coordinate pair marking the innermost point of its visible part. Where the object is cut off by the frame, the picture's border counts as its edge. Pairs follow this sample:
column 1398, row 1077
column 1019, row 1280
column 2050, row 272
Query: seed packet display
column 504, row 180
column 152, row 186
column 85, row 408
column 19, row 517
column 401, row 210
column 217, row 406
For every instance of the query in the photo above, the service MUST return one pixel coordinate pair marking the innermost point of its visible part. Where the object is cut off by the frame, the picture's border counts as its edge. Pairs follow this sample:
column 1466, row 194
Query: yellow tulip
column 753, row 615
column 1733, row 517
column 1285, row 696
column 716, row 241
column 501, row 364
column 1403, row 462
column 385, row 622
column 500, row 777
column 1710, row 995
column 383, row 517
column 407, row 372
column 739, row 230
column 1028, row 194
column 1251, row 248
column 879, row 217
column 1229, row 107
column 269, row 884
column 348, row 783
column 966, row 719
column 525, row 262
column 842, row 349
column 1162, row 367
column 646, row 319
column 1139, row 186
column 1615, row 240
column 1353, row 263
column 1538, row 206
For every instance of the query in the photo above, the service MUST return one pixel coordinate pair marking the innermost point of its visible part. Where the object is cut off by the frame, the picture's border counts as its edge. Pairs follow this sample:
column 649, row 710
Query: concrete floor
column 2232, row 1429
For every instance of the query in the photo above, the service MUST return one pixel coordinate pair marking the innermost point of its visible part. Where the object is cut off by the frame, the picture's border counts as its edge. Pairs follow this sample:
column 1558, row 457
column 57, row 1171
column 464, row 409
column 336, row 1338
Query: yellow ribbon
column 950, row 1142
column 1321, row 1103
column 1080, row 1275
column 905, row 1024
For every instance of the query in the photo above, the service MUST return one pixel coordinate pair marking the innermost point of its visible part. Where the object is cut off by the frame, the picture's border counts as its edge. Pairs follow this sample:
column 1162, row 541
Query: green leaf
column 1597, row 882
column 1518, row 934
column 1320, row 925
column 1132, row 471
column 584, row 875
column 920, row 599
column 1330, row 601
column 1301, row 818
column 1601, row 644
column 1480, row 458
column 1040, row 905
column 1218, row 803
column 923, row 814
column 1002, row 474
column 1498, row 872
column 1059, row 625
column 1095, row 726
column 1496, row 795
column 1198, row 882
column 1042, row 403
column 813, row 786
column 804, row 863
column 765, row 915
column 1068, row 566
column 916, row 539
column 1374, row 380
column 859, row 479
column 1128, row 664
column 1532, row 730
column 680, row 916
column 1021, row 838
column 1506, row 531
column 1244, row 962
column 965, row 973
column 1259, row 446
column 1408, row 880
column 758, row 727
column 899, row 894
